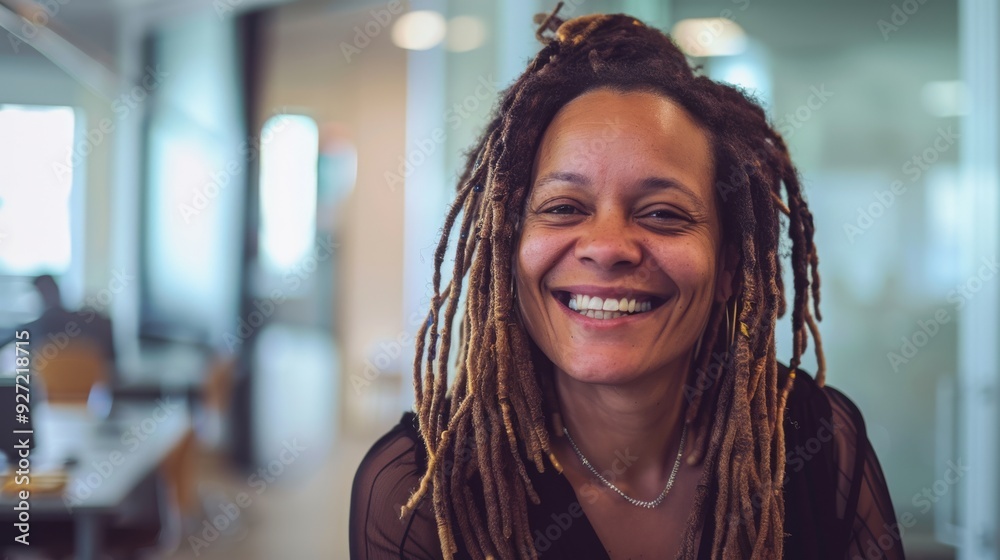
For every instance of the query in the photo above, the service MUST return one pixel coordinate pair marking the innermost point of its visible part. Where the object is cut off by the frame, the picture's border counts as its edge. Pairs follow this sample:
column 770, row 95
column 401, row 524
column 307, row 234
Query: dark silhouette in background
column 60, row 326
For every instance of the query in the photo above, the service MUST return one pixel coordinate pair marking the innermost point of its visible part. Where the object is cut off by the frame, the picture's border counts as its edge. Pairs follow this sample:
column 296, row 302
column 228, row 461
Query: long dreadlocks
column 501, row 398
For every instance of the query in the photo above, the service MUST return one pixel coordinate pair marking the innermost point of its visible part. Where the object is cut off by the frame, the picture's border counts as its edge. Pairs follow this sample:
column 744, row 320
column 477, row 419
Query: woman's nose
column 609, row 243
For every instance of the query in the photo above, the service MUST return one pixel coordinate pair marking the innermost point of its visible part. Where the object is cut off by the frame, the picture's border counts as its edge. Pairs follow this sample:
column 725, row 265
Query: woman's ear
column 725, row 278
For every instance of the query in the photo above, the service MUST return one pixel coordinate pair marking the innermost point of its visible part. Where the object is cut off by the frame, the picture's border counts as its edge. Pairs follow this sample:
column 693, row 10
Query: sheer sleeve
column 863, row 502
column 387, row 476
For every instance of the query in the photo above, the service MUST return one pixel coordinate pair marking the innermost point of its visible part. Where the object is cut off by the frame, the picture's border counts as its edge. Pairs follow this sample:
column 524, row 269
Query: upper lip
column 616, row 292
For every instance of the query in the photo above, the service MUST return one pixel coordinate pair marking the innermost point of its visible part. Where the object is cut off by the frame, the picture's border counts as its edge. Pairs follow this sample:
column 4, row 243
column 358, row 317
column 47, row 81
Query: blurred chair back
column 72, row 372
column 201, row 451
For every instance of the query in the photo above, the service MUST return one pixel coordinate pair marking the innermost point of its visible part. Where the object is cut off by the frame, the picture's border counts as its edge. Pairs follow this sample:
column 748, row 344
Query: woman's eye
column 665, row 215
column 562, row 209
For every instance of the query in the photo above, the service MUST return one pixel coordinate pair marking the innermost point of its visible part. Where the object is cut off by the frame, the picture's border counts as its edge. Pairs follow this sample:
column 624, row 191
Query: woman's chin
column 607, row 371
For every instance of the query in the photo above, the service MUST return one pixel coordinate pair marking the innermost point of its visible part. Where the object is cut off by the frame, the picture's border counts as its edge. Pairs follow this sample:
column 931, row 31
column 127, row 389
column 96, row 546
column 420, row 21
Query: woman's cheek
column 690, row 265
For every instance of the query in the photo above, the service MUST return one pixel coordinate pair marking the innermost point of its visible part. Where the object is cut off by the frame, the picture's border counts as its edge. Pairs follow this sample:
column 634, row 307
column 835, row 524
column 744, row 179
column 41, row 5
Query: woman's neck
column 630, row 431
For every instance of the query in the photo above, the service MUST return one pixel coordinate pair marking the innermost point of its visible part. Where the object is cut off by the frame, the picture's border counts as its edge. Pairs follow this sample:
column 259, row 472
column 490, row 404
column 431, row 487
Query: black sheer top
column 837, row 504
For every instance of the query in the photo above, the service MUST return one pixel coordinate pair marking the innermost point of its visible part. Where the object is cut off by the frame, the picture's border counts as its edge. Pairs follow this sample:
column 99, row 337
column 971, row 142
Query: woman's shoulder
column 817, row 414
column 402, row 443
column 389, row 473
column 835, row 492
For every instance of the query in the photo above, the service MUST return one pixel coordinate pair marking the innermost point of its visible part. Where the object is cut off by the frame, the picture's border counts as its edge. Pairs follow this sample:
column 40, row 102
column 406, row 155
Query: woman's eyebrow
column 664, row 183
column 562, row 177
column 651, row 183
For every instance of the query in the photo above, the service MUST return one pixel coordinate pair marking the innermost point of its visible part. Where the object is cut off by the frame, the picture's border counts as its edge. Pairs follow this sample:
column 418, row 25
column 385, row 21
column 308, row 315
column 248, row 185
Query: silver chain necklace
column 640, row 503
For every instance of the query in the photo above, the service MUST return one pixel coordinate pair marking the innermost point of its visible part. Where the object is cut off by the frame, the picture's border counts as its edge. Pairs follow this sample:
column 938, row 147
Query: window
column 289, row 164
column 38, row 159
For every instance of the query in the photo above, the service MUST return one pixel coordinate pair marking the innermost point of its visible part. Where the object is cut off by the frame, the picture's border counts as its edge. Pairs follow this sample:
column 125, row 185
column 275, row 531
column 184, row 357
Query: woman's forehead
column 605, row 133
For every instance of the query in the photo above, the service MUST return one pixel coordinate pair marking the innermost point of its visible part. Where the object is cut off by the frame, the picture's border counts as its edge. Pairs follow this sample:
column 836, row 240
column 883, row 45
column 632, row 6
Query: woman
column 616, row 391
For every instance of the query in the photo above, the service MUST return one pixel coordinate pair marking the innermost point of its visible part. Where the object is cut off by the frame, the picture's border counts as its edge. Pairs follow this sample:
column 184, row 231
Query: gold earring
column 731, row 323
column 735, row 321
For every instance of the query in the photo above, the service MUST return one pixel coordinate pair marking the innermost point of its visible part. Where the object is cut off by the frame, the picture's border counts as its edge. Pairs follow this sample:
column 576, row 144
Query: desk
column 156, row 371
column 113, row 457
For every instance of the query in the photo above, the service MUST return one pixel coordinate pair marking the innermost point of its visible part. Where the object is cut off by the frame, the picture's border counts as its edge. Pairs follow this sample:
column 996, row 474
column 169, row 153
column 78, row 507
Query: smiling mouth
column 597, row 307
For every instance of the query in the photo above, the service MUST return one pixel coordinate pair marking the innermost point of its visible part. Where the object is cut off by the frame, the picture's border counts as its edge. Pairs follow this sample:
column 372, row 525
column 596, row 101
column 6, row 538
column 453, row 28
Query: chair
column 69, row 373
column 200, row 456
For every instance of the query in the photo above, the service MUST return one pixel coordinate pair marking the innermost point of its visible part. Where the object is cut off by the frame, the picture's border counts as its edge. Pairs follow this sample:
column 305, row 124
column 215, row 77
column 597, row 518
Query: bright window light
column 700, row 37
column 288, row 177
column 37, row 162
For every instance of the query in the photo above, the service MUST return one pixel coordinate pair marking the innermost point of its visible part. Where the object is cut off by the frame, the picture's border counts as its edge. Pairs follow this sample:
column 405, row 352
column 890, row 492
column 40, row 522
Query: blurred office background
column 251, row 191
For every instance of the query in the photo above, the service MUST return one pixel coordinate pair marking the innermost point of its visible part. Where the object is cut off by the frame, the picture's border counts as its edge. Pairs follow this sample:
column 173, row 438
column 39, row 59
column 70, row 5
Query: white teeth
column 599, row 308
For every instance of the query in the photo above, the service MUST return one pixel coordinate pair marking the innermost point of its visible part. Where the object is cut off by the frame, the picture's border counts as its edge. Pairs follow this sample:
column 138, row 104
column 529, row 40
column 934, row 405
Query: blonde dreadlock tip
column 555, row 463
column 743, row 329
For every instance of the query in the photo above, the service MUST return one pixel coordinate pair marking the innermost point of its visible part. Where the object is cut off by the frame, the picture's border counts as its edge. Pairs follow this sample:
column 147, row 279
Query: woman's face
column 621, row 216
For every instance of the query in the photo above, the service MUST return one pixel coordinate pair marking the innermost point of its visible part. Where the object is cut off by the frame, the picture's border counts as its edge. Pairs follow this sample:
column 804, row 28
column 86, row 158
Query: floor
column 302, row 516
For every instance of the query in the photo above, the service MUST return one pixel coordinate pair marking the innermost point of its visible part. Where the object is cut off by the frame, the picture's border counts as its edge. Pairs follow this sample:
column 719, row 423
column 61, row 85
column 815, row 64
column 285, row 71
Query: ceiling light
column 465, row 33
column 419, row 31
column 700, row 37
